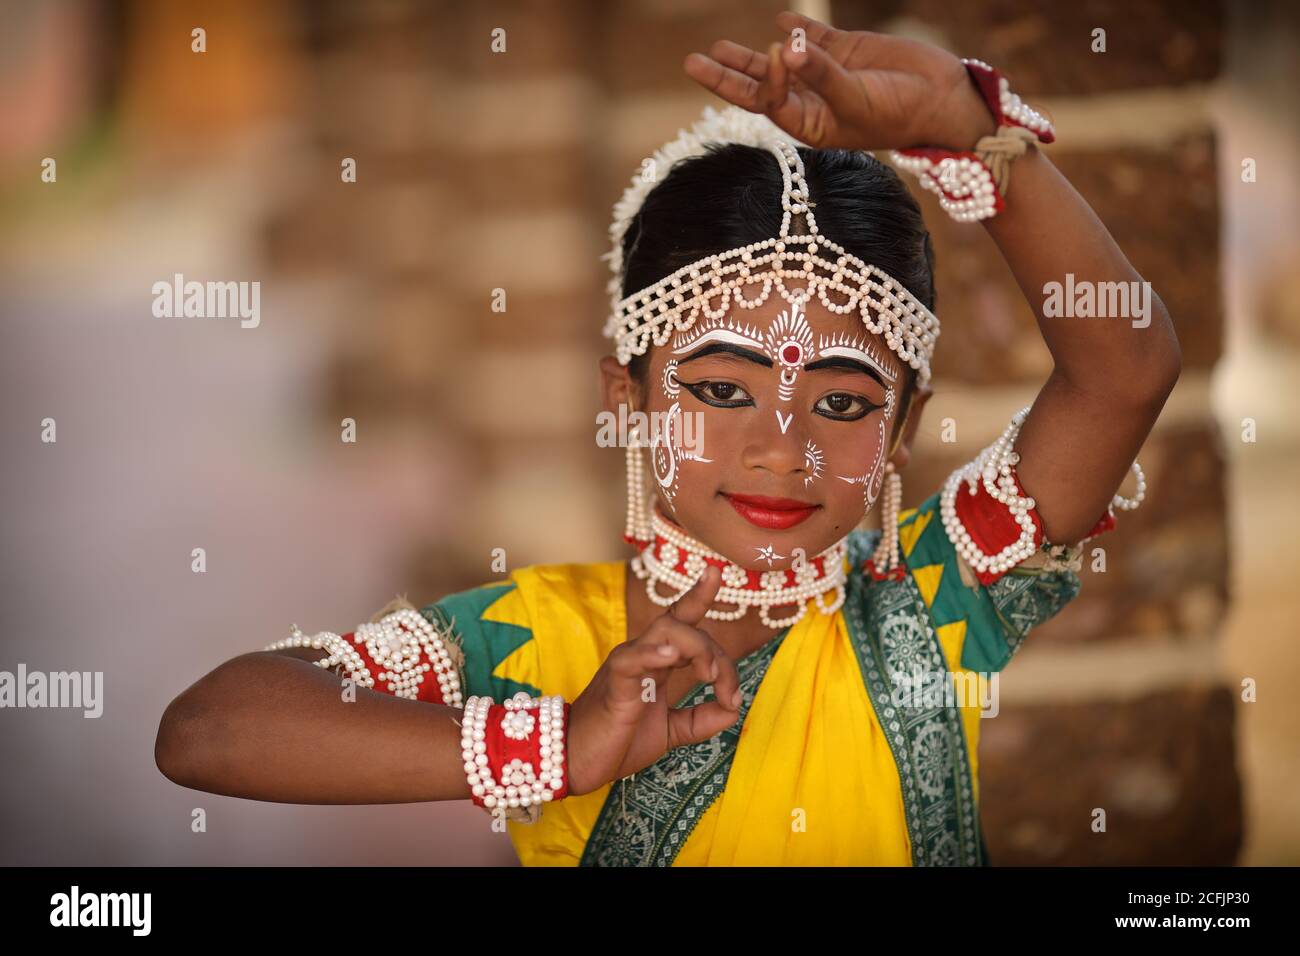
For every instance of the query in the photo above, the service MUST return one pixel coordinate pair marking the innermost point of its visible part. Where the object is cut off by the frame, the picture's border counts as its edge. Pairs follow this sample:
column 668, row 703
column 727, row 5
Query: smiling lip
column 771, row 513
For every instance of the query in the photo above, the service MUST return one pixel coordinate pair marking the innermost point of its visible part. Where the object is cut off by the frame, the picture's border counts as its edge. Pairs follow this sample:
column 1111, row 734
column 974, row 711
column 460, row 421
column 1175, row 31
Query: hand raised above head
column 849, row 89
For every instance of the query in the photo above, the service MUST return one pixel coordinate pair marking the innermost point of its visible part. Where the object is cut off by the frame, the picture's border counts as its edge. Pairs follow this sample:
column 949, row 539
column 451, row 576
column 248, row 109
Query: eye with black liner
column 844, row 407
column 718, row 394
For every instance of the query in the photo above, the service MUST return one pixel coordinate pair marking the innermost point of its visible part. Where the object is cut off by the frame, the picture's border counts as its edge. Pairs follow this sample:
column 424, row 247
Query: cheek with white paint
column 873, row 476
column 680, row 440
column 814, row 462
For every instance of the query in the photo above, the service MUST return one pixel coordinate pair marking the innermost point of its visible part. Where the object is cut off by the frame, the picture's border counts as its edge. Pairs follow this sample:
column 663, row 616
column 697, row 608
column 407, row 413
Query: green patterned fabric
column 892, row 634
column 997, row 616
column 485, row 643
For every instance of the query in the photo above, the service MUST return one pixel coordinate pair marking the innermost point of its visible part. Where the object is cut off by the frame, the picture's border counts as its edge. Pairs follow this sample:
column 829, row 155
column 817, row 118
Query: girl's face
column 778, row 420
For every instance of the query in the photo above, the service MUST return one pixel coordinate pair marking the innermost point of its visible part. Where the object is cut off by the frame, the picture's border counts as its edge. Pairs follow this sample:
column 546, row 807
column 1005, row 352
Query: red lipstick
column 775, row 514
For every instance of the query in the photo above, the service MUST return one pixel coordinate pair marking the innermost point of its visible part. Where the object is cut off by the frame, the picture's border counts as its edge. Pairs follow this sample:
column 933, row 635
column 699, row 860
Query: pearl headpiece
column 746, row 275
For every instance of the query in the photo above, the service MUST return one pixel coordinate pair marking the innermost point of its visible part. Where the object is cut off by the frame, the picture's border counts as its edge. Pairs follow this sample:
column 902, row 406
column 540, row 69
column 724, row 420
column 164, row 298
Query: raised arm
column 862, row 90
column 1111, row 376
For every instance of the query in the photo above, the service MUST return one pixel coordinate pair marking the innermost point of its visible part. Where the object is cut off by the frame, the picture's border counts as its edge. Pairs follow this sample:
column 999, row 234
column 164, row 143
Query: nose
column 775, row 444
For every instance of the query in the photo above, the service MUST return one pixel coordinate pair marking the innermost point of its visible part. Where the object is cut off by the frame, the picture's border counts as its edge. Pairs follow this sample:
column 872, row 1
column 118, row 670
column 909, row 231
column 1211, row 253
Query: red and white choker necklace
column 677, row 560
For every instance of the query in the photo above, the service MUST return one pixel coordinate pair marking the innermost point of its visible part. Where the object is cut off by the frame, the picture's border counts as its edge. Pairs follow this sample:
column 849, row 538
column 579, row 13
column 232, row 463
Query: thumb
column 690, row 607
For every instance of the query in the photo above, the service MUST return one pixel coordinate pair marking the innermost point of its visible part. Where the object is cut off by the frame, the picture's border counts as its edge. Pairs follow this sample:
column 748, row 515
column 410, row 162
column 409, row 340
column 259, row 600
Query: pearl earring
column 637, row 527
column 885, row 561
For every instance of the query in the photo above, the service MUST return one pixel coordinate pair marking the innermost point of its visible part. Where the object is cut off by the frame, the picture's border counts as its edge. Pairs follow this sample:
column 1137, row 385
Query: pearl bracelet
column 994, row 469
column 970, row 184
column 537, row 769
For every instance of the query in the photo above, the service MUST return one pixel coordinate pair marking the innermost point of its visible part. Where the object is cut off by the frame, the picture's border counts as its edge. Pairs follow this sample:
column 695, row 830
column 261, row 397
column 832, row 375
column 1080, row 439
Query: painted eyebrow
column 846, row 363
column 855, row 354
column 720, row 335
column 728, row 348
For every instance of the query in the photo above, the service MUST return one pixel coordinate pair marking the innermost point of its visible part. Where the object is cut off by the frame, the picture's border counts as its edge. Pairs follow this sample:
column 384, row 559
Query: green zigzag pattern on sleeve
column 998, row 616
column 485, row 643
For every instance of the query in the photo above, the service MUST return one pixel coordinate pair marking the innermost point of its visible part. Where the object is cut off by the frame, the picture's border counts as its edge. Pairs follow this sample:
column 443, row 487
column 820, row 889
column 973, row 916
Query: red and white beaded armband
column 995, row 526
column 393, row 655
column 970, row 184
column 515, row 753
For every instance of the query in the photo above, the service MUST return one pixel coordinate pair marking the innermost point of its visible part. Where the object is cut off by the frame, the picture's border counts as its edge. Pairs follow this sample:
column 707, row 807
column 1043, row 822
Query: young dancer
column 757, row 684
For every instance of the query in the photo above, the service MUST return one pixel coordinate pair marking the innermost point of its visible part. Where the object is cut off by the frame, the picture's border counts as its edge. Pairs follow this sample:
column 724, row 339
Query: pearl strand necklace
column 774, row 591
column 994, row 468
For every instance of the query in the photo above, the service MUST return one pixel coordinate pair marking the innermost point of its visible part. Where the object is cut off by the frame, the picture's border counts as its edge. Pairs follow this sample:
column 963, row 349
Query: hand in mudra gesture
column 614, row 731
column 849, row 89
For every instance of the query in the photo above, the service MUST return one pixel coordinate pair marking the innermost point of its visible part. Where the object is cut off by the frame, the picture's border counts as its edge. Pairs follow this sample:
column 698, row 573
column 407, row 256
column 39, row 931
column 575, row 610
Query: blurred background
column 481, row 170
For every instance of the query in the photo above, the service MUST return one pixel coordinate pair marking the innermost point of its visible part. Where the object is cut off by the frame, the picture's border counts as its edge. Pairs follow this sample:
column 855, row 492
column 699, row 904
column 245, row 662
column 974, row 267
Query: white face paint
column 718, row 330
column 858, row 349
column 789, row 345
column 874, row 476
column 671, row 451
column 813, row 461
column 788, row 342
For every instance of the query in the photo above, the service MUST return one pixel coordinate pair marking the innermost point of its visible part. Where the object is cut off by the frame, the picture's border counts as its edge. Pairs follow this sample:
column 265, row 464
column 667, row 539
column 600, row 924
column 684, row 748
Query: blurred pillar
column 1117, row 704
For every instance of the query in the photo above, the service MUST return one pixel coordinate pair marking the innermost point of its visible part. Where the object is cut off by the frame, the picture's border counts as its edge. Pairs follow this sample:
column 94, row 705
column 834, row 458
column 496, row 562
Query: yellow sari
column 809, row 775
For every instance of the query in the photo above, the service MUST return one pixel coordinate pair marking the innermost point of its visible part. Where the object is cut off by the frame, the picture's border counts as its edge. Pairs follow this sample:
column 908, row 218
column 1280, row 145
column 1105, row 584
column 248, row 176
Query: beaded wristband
column 392, row 655
column 977, row 524
column 516, row 753
column 970, row 184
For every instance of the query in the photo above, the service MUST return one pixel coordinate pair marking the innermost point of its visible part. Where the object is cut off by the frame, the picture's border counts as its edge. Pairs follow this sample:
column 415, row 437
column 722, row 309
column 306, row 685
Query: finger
column 751, row 63
column 740, row 58
column 777, row 79
column 827, row 79
column 691, row 606
column 694, row 647
column 820, row 33
column 726, row 683
column 730, row 84
column 630, row 665
column 690, row 725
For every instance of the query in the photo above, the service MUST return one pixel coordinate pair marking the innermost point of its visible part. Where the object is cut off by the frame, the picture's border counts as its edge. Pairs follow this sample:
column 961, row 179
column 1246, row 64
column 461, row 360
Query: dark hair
column 731, row 196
